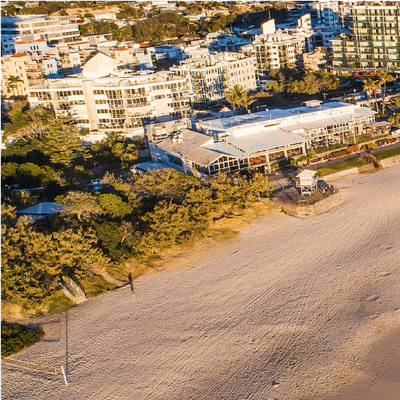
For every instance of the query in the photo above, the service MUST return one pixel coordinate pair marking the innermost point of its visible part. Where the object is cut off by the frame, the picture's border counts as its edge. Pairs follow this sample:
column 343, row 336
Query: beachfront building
column 254, row 141
column 106, row 96
column 54, row 30
column 276, row 49
column 210, row 76
column 373, row 41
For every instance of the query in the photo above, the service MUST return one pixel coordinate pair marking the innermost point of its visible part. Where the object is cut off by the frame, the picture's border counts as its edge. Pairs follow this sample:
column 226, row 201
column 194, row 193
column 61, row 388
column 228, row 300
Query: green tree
column 166, row 184
column 33, row 262
column 113, row 205
column 9, row 173
column 8, row 215
column 62, row 143
column 25, row 123
column 32, row 175
column 234, row 96
column 13, row 84
column 246, row 101
column 166, row 227
column 395, row 119
column 81, row 205
column 395, row 103
column 385, row 77
column 370, row 86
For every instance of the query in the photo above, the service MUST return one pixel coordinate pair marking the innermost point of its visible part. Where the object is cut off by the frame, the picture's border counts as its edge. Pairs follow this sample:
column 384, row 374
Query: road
column 289, row 310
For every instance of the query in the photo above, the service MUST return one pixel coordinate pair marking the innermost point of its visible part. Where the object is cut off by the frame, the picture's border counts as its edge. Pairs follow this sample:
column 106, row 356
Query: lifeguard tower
column 307, row 182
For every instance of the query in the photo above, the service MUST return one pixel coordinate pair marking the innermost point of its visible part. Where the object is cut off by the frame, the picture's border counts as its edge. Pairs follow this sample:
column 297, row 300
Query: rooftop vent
column 313, row 103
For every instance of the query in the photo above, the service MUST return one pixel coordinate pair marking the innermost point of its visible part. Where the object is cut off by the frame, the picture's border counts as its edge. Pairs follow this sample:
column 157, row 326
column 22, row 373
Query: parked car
column 97, row 182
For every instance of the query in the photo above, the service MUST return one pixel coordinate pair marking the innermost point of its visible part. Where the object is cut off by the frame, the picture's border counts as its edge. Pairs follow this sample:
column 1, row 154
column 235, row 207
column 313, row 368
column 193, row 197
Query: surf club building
column 258, row 140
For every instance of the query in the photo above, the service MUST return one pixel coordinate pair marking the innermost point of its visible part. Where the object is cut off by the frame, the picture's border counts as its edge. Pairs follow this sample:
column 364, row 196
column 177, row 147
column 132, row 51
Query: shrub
column 15, row 338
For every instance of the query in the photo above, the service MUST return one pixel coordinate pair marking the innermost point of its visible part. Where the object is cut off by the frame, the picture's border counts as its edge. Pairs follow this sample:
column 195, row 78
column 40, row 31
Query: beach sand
column 381, row 378
column 293, row 308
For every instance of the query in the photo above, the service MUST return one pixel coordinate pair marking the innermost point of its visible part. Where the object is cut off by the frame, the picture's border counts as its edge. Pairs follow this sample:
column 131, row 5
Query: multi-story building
column 34, row 68
column 54, row 30
column 373, row 41
column 324, row 13
column 282, row 48
column 210, row 76
column 106, row 96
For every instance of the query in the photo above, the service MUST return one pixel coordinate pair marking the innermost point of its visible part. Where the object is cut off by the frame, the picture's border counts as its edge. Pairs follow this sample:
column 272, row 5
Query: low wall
column 390, row 161
column 349, row 172
column 311, row 209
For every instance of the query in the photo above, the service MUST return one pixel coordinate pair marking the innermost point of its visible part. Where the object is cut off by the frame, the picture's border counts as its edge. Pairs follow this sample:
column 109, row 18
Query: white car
column 97, row 182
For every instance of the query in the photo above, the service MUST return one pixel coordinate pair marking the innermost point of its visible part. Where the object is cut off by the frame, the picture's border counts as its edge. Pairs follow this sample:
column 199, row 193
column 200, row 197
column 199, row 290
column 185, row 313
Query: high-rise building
column 373, row 40
column 276, row 49
column 210, row 76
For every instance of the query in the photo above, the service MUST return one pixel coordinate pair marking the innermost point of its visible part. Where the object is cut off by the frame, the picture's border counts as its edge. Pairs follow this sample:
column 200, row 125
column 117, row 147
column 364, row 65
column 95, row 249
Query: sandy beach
column 381, row 379
column 294, row 308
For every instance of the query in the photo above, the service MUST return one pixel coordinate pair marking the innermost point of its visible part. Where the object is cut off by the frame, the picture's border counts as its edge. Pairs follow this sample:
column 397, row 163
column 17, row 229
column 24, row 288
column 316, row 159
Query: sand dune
column 292, row 309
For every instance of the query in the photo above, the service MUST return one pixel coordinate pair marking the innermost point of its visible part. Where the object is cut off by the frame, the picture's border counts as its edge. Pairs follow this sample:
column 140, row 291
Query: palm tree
column 370, row 85
column 234, row 95
column 385, row 77
column 246, row 101
column 238, row 97
column 12, row 82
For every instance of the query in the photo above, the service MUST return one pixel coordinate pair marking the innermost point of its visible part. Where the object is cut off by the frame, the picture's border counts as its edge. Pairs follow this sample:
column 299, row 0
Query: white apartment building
column 324, row 13
column 52, row 29
column 106, row 96
column 210, row 76
column 276, row 49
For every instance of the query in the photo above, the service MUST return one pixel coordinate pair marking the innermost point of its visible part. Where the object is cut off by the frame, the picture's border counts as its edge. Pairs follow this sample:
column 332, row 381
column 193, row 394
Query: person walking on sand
column 131, row 285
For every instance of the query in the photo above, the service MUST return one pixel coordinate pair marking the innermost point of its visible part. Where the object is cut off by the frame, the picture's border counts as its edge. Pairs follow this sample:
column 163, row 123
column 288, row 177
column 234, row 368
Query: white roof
column 337, row 111
column 100, row 65
column 307, row 173
column 45, row 208
column 266, row 140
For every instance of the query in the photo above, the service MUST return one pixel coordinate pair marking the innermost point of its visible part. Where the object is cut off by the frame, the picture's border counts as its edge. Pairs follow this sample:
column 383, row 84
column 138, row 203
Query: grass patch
column 95, row 285
column 355, row 162
column 388, row 153
column 57, row 303
column 15, row 338
column 225, row 235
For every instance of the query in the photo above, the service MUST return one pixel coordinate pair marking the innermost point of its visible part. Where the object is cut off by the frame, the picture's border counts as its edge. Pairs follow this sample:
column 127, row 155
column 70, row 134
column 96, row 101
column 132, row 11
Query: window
column 174, row 160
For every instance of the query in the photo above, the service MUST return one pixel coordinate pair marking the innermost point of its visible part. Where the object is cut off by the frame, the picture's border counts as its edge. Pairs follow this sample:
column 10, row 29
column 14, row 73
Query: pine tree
column 63, row 143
